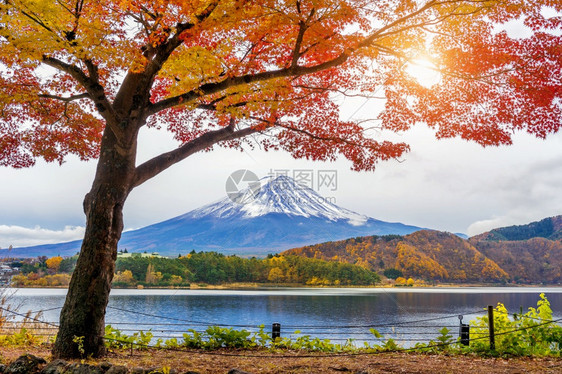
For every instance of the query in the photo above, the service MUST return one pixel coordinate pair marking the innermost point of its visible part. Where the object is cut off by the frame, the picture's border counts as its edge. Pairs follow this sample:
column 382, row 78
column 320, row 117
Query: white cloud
column 530, row 193
column 519, row 216
column 18, row 236
column 488, row 224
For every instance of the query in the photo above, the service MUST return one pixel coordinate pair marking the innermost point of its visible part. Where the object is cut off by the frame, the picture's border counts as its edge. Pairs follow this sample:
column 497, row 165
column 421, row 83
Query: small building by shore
column 122, row 254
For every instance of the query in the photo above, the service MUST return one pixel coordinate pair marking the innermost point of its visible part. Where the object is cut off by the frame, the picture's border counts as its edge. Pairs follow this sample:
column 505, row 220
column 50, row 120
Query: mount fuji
column 277, row 215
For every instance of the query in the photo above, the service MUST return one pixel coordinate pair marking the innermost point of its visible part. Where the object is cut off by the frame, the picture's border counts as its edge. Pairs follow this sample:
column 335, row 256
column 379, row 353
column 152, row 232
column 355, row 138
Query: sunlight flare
column 424, row 71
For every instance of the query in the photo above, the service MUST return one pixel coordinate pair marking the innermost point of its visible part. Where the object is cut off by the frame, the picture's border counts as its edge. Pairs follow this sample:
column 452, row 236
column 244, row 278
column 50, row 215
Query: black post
column 464, row 332
column 275, row 331
column 491, row 327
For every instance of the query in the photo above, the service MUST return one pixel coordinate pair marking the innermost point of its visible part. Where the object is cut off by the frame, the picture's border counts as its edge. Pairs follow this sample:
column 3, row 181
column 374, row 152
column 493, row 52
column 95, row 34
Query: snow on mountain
column 280, row 195
column 277, row 214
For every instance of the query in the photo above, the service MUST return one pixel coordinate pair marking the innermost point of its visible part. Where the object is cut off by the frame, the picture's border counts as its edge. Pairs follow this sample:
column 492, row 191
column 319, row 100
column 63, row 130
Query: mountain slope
column 424, row 254
column 548, row 228
column 522, row 254
column 530, row 253
column 537, row 260
column 282, row 215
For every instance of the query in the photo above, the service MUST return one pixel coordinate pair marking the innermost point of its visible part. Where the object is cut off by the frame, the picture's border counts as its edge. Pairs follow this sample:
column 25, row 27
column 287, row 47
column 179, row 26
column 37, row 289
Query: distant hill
column 530, row 253
column 522, row 254
column 426, row 254
column 283, row 214
column 537, row 260
column 548, row 228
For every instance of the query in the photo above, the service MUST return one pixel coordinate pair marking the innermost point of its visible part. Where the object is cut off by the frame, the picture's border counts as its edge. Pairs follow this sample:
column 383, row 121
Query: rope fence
column 324, row 355
column 364, row 326
column 413, row 332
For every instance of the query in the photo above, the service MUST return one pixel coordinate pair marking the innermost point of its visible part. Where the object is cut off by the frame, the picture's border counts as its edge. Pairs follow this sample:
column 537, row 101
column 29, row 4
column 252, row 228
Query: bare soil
column 288, row 362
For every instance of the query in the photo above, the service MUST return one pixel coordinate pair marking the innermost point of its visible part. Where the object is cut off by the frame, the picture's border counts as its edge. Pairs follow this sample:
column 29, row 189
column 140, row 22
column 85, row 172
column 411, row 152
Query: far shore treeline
column 138, row 270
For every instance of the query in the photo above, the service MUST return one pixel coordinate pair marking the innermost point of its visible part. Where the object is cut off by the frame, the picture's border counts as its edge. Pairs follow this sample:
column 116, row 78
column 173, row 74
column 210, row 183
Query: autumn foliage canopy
column 271, row 69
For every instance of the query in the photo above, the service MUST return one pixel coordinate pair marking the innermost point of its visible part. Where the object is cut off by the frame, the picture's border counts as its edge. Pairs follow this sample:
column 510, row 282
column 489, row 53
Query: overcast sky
column 449, row 185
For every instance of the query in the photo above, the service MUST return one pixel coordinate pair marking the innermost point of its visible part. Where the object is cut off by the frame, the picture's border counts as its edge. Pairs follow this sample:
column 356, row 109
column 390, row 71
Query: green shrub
column 115, row 338
column 528, row 334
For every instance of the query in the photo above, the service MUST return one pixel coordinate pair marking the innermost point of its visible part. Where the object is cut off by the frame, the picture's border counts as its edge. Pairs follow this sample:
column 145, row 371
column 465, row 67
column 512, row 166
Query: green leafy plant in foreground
column 215, row 337
column 308, row 343
column 79, row 341
column 219, row 337
column 443, row 343
column 524, row 334
column 531, row 333
column 115, row 338
column 24, row 337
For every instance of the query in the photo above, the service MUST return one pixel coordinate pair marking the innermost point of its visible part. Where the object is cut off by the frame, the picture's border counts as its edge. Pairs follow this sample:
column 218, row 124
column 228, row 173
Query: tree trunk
column 83, row 315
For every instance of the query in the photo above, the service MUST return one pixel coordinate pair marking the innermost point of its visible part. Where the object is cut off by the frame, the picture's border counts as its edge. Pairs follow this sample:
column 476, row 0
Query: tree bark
column 83, row 314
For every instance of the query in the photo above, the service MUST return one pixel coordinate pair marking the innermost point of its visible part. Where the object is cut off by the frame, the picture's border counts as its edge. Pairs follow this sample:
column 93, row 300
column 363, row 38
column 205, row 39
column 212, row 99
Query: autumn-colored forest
column 202, row 268
column 520, row 254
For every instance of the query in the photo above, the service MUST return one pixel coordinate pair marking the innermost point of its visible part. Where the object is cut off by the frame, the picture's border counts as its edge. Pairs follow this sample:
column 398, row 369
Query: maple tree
column 84, row 77
column 54, row 263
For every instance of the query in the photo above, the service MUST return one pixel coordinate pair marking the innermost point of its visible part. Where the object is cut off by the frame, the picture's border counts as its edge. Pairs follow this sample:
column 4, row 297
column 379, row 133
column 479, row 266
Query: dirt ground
column 266, row 362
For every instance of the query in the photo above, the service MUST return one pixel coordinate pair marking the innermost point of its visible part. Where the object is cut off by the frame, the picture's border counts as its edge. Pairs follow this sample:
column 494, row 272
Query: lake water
column 409, row 315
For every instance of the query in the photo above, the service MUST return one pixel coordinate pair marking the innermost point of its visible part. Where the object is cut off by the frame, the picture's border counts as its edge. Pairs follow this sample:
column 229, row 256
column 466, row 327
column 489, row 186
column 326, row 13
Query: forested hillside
column 549, row 228
column 430, row 255
column 529, row 253
column 536, row 260
column 521, row 254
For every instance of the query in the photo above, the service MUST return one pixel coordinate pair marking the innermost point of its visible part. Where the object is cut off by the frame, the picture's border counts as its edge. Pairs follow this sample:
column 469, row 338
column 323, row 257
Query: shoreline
column 284, row 286
column 297, row 291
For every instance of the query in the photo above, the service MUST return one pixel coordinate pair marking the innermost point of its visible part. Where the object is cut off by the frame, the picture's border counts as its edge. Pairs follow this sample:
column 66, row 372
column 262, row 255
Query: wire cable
column 318, row 355
column 201, row 323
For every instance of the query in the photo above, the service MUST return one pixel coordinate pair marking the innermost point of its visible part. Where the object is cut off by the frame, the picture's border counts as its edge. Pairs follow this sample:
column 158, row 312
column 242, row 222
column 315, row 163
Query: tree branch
column 94, row 90
column 303, row 26
column 211, row 88
column 92, row 70
column 293, row 70
column 66, row 99
column 134, row 92
column 333, row 139
column 176, row 40
column 371, row 38
column 298, row 43
column 158, row 164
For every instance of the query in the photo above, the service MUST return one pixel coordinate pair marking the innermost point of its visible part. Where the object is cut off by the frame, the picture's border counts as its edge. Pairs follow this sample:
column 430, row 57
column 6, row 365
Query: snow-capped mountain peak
column 281, row 195
column 277, row 214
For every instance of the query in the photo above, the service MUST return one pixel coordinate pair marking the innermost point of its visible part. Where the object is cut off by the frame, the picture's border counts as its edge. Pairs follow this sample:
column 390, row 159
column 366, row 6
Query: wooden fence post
column 275, row 331
column 491, row 327
column 464, row 332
